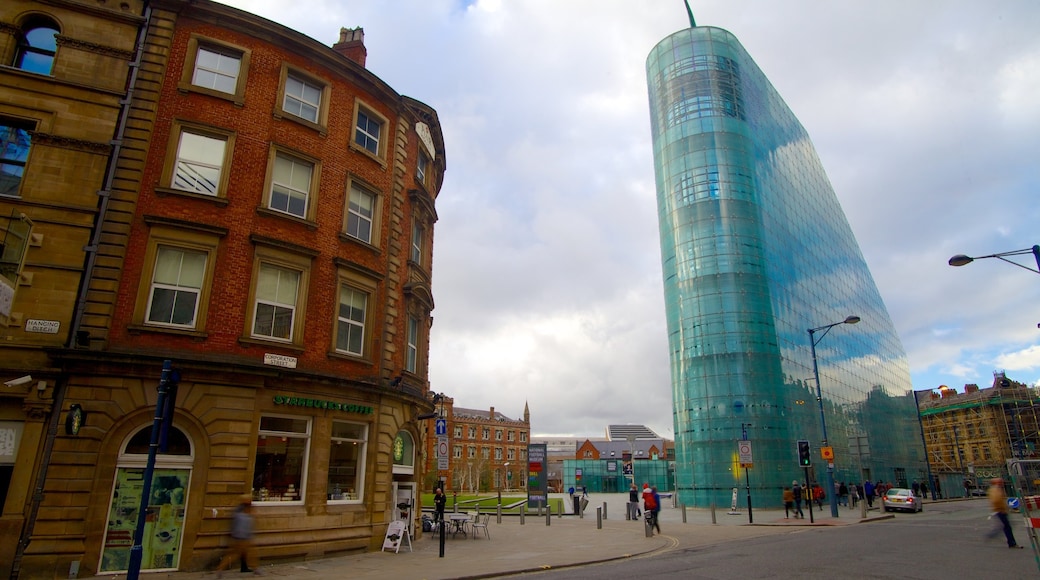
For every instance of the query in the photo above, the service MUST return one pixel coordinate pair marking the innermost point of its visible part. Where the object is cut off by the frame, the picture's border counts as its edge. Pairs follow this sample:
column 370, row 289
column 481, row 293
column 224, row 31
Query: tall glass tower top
column 756, row 250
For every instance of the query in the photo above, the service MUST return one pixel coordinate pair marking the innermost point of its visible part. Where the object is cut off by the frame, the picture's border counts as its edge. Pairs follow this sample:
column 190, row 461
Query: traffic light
column 804, row 456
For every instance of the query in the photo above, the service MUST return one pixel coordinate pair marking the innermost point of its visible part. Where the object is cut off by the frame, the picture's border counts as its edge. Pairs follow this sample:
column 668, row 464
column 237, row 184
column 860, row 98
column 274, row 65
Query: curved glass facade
column 756, row 250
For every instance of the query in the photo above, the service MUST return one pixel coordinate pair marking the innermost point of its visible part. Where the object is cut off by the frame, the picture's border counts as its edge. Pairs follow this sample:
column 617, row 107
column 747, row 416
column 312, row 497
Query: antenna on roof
column 690, row 12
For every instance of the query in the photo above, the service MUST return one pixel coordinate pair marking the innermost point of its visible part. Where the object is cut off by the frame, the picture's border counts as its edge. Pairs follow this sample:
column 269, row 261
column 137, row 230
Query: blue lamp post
column 813, row 340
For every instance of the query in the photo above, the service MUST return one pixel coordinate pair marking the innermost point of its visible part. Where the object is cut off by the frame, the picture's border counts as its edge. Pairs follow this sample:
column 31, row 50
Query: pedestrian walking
column 916, row 488
column 788, row 502
column 868, row 493
column 843, row 494
column 241, row 540
column 998, row 503
column 938, row 489
column 924, row 489
column 796, row 491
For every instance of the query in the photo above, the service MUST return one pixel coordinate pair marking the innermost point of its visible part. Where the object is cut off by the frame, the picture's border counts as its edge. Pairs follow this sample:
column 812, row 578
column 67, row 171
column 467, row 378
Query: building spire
column 527, row 414
column 690, row 13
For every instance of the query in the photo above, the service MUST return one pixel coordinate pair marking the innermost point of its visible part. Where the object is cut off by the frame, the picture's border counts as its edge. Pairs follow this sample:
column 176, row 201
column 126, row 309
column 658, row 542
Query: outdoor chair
column 479, row 523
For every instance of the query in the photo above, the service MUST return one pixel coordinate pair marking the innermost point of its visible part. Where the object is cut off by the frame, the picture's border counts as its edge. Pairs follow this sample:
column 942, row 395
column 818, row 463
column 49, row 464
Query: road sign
column 442, row 452
column 441, row 427
column 744, row 453
column 827, row 453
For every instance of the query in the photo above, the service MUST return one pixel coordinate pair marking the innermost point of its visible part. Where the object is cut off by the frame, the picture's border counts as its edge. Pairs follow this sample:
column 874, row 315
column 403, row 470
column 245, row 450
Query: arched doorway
column 164, row 523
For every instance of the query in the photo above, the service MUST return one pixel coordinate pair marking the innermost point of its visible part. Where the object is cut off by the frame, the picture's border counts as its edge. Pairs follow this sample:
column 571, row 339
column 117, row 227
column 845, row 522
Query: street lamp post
column 927, row 463
column 962, row 260
column 813, row 341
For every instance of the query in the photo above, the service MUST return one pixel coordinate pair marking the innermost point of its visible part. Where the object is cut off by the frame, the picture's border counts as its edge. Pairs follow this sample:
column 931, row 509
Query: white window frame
column 196, row 164
column 217, row 73
column 301, row 99
column 352, row 324
column 360, row 193
column 291, row 190
column 176, row 287
column 363, row 134
column 418, row 231
column 273, row 302
column 412, row 354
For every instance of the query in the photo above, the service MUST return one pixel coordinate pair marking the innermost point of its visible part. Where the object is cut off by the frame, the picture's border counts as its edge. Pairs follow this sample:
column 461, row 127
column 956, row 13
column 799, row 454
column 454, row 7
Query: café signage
column 322, row 404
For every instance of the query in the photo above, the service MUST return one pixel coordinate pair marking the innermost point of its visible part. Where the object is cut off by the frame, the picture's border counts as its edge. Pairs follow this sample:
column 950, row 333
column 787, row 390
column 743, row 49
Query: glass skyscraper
column 756, row 250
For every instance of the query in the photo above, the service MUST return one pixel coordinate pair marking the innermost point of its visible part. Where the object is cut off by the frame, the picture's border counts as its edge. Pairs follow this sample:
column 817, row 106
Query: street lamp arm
column 962, row 260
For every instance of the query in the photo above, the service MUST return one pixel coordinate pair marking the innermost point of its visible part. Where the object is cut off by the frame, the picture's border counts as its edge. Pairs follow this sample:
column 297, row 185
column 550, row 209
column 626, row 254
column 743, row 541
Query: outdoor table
column 458, row 523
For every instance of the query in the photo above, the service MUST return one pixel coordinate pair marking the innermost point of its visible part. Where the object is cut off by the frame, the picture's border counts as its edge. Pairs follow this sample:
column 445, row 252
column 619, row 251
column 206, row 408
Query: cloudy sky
column 547, row 274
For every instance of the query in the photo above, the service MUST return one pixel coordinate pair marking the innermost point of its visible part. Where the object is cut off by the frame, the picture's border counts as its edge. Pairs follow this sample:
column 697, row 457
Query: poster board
column 396, row 532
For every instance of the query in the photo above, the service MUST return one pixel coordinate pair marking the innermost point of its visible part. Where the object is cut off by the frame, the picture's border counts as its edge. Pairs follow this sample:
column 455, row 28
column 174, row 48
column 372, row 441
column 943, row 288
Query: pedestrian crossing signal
column 804, row 455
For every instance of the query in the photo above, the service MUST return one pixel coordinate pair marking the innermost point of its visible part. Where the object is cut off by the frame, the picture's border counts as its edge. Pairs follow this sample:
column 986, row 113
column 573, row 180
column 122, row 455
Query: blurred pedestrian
column 998, row 503
column 788, row 502
column 241, row 540
column 657, row 508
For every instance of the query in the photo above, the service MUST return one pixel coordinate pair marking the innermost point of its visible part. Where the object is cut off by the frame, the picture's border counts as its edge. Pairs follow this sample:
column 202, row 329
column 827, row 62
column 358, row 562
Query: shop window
column 280, row 470
column 167, row 503
column 347, row 454
column 37, row 45
column 15, row 139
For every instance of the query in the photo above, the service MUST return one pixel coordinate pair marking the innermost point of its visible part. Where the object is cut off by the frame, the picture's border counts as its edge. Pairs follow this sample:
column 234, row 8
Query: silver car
column 899, row 498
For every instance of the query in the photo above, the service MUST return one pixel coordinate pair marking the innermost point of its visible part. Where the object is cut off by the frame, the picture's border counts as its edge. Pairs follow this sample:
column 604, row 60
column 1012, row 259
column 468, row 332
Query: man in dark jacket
column 439, row 501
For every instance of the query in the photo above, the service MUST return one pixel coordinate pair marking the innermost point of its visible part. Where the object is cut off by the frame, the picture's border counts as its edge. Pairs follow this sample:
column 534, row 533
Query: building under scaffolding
column 970, row 436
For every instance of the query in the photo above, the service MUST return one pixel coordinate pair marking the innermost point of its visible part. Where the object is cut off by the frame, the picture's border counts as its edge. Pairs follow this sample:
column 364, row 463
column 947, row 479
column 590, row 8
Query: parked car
column 899, row 498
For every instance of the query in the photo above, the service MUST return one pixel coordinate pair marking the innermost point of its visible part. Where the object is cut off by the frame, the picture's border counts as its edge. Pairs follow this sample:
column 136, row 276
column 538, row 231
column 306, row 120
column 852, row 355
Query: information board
column 537, row 477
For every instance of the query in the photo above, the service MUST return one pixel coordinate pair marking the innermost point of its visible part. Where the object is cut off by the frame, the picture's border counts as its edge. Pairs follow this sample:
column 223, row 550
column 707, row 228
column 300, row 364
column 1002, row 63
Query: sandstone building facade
column 256, row 208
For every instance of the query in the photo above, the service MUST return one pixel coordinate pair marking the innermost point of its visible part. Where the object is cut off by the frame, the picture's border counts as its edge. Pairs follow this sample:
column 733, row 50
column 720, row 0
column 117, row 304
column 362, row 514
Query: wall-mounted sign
column 320, row 404
column 42, row 326
column 277, row 360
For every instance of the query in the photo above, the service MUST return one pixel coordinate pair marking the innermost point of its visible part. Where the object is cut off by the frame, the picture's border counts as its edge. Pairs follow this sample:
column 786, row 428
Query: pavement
column 567, row 541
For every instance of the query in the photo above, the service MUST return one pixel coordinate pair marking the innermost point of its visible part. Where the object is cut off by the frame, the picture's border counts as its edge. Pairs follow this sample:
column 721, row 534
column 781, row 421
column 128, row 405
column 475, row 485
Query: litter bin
column 577, row 503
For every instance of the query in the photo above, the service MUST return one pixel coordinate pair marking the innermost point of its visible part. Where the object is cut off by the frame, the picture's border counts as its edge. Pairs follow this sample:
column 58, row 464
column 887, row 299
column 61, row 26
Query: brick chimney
column 352, row 44
column 492, row 413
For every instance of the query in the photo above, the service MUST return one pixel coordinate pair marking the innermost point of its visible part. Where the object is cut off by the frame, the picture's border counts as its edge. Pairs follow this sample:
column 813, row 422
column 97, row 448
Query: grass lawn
column 486, row 502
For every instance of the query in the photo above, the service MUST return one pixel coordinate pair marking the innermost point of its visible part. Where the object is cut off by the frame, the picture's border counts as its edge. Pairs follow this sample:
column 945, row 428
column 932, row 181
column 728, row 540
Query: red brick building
column 269, row 230
column 488, row 450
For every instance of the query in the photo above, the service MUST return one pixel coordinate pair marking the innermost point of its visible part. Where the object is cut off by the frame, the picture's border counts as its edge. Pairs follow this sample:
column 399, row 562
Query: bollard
column 713, row 513
column 548, row 513
column 605, row 510
column 684, row 513
column 599, row 518
column 499, row 513
column 581, row 512
column 523, row 508
column 559, row 510
column 648, row 530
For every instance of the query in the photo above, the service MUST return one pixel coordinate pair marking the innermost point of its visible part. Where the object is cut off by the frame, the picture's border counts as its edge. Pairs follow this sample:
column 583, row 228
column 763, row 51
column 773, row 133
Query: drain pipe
column 77, row 316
